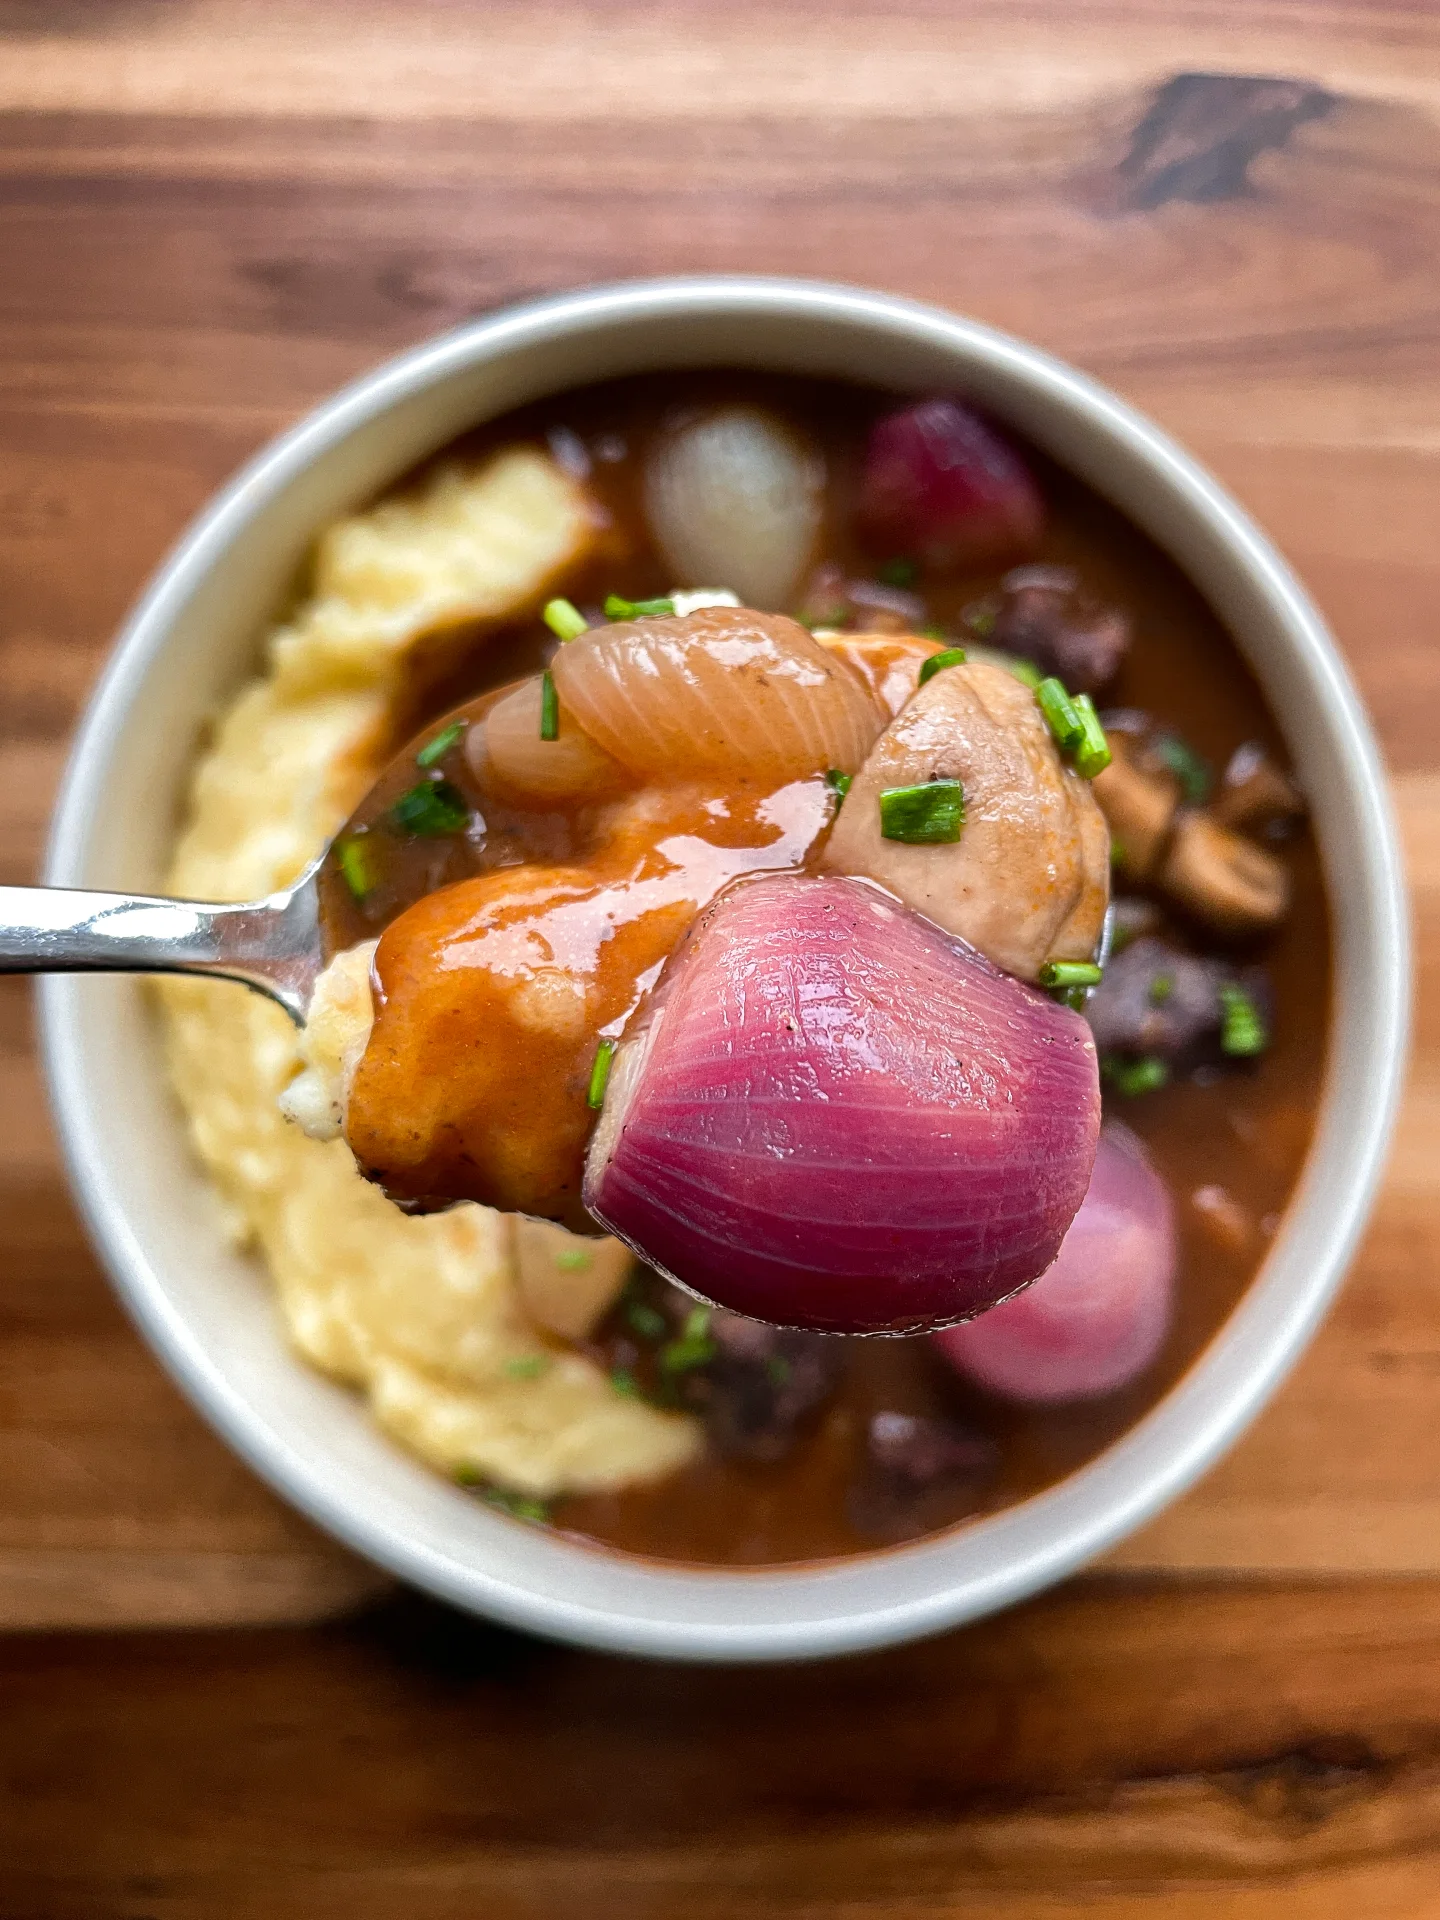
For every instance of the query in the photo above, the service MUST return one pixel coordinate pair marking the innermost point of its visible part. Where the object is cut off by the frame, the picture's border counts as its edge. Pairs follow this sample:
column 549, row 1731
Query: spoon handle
column 272, row 945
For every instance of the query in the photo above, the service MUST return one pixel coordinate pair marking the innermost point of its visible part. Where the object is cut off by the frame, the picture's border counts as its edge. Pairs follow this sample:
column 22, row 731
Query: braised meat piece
column 920, row 1471
column 1159, row 1002
column 1044, row 616
column 761, row 1385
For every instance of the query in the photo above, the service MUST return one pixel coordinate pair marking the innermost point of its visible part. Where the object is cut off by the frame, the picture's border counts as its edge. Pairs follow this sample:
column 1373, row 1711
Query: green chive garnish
column 1118, row 855
column 839, row 784
column 529, row 1366
column 645, row 1320
column 618, row 608
column 625, row 1383
column 519, row 1506
column 435, row 750
column 937, row 663
column 777, row 1369
column 1025, row 671
column 572, row 1259
column 1061, row 714
column 1161, row 988
column 564, row 619
column 1132, row 1077
column 431, row 809
column 928, row 816
column 1243, row 1033
column 600, row 1074
column 357, row 864
column 1192, row 772
column 1070, row 973
column 1092, row 751
column 549, row 708
column 981, row 617
column 694, row 1347
column 898, row 572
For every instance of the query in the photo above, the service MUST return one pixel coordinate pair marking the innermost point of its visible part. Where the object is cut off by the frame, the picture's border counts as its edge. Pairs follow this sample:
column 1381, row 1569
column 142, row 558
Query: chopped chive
column 937, row 663
column 528, row 1366
column 1070, row 973
column 645, row 1320
column 1092, row 751
column 1161, row 988
column 1118, row 855
column 839, row 784
column 573, row 1259
column 981, row 617
column 1243, row 1033
column 519, row 1506
column 625, row 1383
column 435, row 750
column 564, row 619
column 549, row 707
column 928, row 816
column 694, row 1346
column 431, row 809
column 1061, row 714
column 600, row 1074
column 1075, row 998
column 357, row 864
column 618, row 608
column 933, row 633
column 1193, row 772
column 898, row 572
column 1025, row 671
column 777, row 1369
column 1132, row 1077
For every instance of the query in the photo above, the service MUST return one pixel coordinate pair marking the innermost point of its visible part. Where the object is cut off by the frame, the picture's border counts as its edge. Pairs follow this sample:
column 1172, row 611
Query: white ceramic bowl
column 208, row 1312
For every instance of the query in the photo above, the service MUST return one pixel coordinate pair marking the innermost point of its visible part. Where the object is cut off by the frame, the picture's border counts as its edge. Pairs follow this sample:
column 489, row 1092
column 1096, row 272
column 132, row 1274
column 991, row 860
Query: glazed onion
column 942, row 486
column 1097, row 1318
column 735, row 499
column 722, row 691
column 840, row 1117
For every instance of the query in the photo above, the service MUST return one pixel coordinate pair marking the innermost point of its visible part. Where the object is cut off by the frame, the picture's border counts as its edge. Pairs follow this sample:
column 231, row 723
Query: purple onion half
column 838, row 1116
column 1098, row 1318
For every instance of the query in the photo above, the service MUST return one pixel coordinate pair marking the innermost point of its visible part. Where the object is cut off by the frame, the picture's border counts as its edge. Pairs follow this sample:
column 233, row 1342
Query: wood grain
column 211, row 216
column 1202, row 1751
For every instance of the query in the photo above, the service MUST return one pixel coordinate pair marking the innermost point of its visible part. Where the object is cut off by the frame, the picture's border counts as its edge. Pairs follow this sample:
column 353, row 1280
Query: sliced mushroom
column 1139, row 803
column 567, row 1282
column 1223, row 878
column 1255, row 796
column 1028, row 880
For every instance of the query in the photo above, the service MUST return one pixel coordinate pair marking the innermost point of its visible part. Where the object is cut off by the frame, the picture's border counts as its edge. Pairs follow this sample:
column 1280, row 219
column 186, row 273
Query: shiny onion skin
column 1098, row 1318
column 942, row 486
column 840, row 1117
column 723, row 691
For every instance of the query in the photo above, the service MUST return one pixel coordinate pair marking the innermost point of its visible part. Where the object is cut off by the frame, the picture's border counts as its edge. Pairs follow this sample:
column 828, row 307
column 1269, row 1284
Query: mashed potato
column 427, row 1315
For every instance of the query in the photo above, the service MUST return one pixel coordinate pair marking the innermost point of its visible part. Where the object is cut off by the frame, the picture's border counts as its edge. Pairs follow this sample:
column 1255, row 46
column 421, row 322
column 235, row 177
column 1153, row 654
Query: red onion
column 840, row 1117
column 940, row 485
column 1098, row 1317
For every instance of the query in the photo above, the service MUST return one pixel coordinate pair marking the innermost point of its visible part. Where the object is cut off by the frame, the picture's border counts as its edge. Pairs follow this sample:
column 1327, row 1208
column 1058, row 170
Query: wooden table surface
column 212, row 214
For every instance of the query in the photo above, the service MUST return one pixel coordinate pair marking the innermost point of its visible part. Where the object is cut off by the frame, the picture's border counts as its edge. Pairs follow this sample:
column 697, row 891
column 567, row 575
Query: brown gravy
column 1235, row 1137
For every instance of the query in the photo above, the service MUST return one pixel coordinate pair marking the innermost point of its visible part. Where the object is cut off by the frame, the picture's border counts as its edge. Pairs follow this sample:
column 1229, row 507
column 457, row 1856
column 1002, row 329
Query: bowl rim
column 1052, row 1533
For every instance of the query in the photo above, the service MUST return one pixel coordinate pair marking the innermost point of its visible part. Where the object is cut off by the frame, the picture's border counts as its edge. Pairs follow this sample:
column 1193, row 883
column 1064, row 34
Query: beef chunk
column 762, row 1384
column 1157, row 1000
column 919, row 1472
column 1045, row 617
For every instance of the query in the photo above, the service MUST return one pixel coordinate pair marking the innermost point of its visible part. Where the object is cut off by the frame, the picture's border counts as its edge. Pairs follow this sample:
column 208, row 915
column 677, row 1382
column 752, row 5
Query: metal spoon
column 273, row 945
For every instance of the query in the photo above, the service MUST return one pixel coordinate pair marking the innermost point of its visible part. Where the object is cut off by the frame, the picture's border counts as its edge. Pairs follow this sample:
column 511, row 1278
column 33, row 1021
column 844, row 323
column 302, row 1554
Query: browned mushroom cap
column 1222, row 878
column 1255, row 796
column 1028, row 881
column 1139, row 802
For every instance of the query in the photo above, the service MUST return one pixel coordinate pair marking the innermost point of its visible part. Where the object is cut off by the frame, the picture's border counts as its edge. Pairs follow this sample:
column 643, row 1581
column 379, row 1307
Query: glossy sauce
column 1230, row 1142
